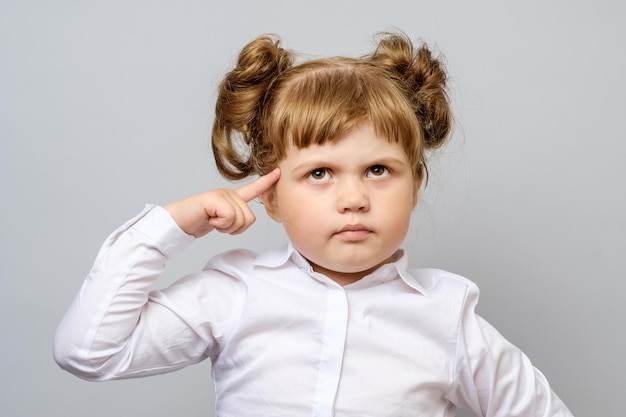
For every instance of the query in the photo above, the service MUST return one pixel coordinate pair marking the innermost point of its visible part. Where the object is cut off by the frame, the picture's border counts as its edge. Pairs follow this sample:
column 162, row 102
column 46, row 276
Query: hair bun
column 240, row 96
column 260, row 59
column 423, row 79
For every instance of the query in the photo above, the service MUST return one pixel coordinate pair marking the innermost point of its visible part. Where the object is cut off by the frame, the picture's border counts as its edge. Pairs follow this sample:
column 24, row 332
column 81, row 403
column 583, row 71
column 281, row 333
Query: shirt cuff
column 157, row 223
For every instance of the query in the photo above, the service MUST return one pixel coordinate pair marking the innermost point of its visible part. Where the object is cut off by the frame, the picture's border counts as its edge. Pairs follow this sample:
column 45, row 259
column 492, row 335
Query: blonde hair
column 266, row 103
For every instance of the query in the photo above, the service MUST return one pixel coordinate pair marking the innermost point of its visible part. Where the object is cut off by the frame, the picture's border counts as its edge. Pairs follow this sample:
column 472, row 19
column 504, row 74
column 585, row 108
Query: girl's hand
column 224, row 210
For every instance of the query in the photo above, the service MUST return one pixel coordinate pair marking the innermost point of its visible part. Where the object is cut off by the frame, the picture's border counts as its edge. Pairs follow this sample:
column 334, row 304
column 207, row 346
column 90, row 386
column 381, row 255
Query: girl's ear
column 268, row 198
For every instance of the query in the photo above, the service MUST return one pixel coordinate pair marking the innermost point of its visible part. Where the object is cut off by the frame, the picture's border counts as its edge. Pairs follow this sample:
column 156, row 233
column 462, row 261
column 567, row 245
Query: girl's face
column 345, row 205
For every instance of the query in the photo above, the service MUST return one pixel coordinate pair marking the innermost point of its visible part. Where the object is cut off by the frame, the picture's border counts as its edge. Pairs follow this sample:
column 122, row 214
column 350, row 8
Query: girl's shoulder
column 438, row 281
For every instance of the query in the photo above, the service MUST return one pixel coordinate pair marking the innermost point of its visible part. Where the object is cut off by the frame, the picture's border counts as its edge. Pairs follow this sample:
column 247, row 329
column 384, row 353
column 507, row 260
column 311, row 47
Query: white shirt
column 287, row 341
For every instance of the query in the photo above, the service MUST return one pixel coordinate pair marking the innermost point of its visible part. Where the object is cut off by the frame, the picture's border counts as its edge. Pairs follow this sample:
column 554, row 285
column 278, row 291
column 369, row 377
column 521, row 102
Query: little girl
column 334, row 323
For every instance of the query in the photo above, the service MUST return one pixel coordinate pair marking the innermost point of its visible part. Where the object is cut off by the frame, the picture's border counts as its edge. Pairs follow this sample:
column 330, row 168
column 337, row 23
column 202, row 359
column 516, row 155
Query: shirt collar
column 277, row 257
column 398, row 267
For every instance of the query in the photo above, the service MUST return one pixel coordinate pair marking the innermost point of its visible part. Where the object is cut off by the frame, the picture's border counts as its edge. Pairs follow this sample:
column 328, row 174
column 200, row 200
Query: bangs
column 320, row 102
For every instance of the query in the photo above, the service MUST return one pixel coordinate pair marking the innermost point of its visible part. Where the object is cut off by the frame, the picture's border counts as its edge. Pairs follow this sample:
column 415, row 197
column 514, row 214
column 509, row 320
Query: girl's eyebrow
column 389, row 160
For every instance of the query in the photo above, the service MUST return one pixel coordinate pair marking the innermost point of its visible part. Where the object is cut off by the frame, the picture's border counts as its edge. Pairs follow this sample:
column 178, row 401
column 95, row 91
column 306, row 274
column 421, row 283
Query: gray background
column 107, row 105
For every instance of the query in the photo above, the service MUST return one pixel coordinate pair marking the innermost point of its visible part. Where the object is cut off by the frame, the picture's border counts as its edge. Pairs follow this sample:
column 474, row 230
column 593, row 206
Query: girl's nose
column 353, row 196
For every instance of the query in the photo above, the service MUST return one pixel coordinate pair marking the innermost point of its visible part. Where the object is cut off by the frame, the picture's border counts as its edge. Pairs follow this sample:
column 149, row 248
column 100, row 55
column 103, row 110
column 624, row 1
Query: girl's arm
column 116, row 328
column 493, row 377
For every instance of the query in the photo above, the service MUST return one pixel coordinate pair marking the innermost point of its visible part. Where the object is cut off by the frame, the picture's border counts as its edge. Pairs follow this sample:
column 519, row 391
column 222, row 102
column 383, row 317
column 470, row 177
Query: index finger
column 257, row 187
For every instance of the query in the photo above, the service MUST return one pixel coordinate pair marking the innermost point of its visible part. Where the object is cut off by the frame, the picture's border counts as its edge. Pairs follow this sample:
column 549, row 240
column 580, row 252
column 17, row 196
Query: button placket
column 331, row 357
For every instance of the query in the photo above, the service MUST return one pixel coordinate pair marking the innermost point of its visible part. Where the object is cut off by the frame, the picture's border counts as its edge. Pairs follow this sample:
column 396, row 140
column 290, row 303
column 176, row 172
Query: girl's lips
column 354, row 232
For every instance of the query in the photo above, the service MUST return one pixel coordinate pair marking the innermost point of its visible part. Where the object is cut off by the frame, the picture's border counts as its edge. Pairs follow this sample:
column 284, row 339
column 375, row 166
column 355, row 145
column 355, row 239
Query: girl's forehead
column 359, row 143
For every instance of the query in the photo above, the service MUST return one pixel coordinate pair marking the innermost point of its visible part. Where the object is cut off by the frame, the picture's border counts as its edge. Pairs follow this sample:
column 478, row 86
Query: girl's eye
column 319, row 175
column 377, row 171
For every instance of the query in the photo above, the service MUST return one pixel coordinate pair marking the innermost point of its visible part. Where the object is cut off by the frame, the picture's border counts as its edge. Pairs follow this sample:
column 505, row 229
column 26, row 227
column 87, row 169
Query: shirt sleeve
column 493, row 377
column 117, row 327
